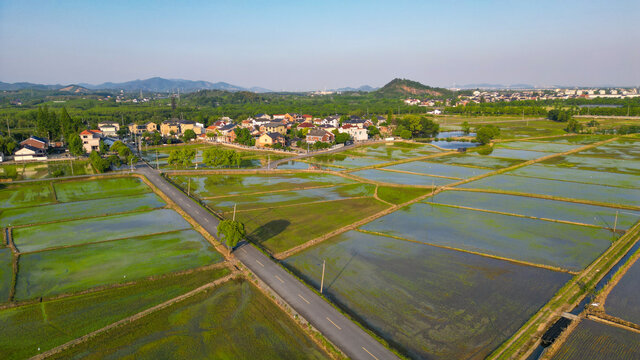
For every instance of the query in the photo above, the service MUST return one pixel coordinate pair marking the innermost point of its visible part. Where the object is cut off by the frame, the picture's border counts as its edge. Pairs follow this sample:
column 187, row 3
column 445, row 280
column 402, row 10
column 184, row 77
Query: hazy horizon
column 295, row 46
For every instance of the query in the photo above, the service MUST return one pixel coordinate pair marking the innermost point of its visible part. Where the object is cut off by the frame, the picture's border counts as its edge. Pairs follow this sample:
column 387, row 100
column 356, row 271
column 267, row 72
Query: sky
column 310, row 45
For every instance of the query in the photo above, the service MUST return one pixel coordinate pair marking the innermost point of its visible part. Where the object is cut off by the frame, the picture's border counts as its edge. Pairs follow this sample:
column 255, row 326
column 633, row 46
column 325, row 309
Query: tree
column 219, row 157
column 573, row 126
column 486, row 133
column 230, row 232
column 75, row 145
column 559, row 115
column 188, row 135
column 99, row 164
column 466, row 128
column 243, row 136
column 7, row 145
column 120, row 148
column 405, row 134
column 320, row 145
column 103, row 147
column 341, row 138
column 183, row 157
column 373, row 131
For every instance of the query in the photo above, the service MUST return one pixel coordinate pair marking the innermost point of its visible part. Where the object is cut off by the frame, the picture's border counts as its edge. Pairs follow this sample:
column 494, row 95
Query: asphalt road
column 345, row 334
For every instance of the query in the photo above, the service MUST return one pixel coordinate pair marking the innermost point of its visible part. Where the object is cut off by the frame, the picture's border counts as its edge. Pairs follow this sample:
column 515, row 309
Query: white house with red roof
column 91, row 140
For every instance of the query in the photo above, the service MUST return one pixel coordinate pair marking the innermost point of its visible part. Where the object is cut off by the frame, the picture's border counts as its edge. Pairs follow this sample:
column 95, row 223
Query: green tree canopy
column 486, row 133
column 219, row 157
column 188, row 135
column 182, row 157
column 230, row 232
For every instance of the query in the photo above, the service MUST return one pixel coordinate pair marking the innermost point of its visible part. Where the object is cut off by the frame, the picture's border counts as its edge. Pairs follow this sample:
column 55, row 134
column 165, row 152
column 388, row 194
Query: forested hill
column 404, row 88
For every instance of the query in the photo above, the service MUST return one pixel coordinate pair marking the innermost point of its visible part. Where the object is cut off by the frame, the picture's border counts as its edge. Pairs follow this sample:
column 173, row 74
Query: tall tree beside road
column 75, row 145
column 231, row 232
column 182, row 157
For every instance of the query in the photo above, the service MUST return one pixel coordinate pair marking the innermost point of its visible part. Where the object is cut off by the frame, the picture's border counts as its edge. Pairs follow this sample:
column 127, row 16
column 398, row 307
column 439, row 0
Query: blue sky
column 300, row 45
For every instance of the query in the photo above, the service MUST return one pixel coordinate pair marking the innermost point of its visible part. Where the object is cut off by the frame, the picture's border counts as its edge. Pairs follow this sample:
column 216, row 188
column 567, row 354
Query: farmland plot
column 565, row 189
column 283, row 228
column 578, row 161
column 396, row 151
column 517, row 154
column 79, row 268
column 561, row 245
column 264, row 200
column 541, row 208
column 233, row 321
column 583, row 176
column 537, row 146
column 25, row 195
column 76, row 232
column 99, row 188
column 597, row 341
column 6, row 273
column 432, row 303
column 401, row 178
column 52, row 323
column 623, row 300
column 79, row 209
column 344, row 161
column 223, row 185
column 476, row 160
column 429, row 168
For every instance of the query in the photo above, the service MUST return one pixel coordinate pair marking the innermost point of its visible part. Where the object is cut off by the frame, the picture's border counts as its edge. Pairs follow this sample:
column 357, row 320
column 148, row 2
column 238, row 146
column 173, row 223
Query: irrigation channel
column 540, row 350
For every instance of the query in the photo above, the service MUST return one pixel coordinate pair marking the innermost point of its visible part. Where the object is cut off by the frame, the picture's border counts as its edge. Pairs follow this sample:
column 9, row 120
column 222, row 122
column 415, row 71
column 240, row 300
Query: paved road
column 345, row 334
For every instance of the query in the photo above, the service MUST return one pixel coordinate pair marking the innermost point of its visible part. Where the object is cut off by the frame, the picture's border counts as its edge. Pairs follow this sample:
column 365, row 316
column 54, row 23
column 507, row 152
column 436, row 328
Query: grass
column 25, row 195
column 75, row 269
column 224, row 185
column 283, row 228
column 232, row 321
column 400, row 195
column 68, row 191
column 6, row 274
column 429, row 302
column 554, row 244
column 273, row 199
column 40, row 237
column 49, row 324
column 79, row 209
column 597, row 341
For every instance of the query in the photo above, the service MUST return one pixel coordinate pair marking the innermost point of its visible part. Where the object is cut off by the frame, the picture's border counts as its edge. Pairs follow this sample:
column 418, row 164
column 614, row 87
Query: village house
column 274, row 127
column 227, row 133
column 307, row 118
column 315, row 135
column 109, row 128
column 357, row 134
column 137, row 129
column 168, row 127
column 305, row 125
column 28, row 153
column 151, row 127
column 331, row 120
column 270, row 139
column 290, row 118
column 91, row 140
column 36, row 142
column 263, row 117
column 278, row 117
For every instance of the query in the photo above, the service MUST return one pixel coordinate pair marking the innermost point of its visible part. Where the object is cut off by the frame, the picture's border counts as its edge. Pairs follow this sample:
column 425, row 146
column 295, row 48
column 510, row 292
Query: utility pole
column 234, row 212
column 189, row 188
column 71, row 164
column 615, row 222
column 157, row 163
column 322, row 281
column 268, row 160
column 8, row 129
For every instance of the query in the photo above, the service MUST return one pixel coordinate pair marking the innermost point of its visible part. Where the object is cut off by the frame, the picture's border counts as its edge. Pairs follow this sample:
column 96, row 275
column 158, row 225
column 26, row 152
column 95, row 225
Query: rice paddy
column 430, row 302
column 390, row 177
column 344, row 161
column 73, row 269
column 585, row 162
column 232, row 321
column 537, row 146
column 476, row 160
column 563, row 189
column 597, row 341
column 428, row 168
column 6, row 273
column 559, row 245
column 541, row 208
column 623, row 301
column 99, row 188
column 551, row 172
column 25, row 195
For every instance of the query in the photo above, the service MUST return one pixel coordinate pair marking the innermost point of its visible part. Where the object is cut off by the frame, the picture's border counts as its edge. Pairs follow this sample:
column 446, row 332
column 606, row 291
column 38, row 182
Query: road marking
column 260, row 263
column 334, row 324
column 373, row 356
column 305, row 300
column 278, row 277
column 243, row 250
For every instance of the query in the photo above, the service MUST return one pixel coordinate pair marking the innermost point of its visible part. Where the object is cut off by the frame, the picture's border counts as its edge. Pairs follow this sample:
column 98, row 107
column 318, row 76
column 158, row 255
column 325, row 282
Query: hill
column 75, row 89
column 158, row 84
column 404, row 88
